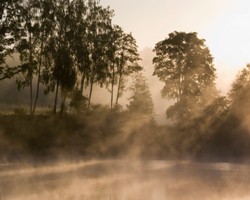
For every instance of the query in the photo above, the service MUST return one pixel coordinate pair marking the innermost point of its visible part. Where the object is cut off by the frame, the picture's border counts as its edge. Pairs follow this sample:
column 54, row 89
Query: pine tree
column 141, row 100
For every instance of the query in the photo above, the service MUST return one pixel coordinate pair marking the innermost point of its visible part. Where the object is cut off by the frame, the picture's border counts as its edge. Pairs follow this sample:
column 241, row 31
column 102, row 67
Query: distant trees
column 184, row 63
column 140, row 101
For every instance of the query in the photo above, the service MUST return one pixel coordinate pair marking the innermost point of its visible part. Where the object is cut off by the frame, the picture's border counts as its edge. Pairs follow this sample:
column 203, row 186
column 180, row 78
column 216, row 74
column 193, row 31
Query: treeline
column 67, row 47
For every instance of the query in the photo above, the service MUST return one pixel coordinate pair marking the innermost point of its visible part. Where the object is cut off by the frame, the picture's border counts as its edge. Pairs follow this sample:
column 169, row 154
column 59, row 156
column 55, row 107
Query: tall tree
column 80, row 42
column 45, row 28
column 126, row 59
column 28, row 46
column 99, row 23
column 64, row 70
column 184, row 63
column 113, row 54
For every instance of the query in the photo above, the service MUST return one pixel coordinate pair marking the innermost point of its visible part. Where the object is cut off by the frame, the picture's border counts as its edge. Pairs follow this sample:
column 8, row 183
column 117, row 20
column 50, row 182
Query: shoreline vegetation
column 113, row 135
column 67, row 50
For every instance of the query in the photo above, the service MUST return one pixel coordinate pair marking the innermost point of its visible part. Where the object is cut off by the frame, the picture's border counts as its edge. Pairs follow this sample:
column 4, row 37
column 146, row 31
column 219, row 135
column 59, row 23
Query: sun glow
column 224, row 24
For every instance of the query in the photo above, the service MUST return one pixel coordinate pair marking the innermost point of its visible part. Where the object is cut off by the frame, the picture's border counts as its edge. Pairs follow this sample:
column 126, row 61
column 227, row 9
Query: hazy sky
column 225, row 24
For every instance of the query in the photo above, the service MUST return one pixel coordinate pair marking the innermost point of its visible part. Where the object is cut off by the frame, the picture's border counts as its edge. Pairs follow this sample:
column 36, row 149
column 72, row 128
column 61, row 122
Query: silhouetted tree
column 45, row 28
column 115, row 33
column 27, row 46
column 64, row 70
column 80, row 41
column 239, row 95
column 99, row 21
column 127, row 58
column 240, row 83
column 185, row 65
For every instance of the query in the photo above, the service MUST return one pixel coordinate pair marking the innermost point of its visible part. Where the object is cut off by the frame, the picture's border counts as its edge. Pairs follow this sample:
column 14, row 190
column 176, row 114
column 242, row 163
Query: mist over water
column 110, row 139
column 125, row 179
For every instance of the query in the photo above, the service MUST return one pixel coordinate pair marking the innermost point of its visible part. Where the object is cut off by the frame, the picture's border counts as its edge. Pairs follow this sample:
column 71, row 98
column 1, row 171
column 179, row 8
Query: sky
column 224, row 24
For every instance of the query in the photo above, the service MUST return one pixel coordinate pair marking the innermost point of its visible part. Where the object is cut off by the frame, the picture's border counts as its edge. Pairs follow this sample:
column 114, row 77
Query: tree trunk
column 56, row 95
column 31, row 96
column 119, row 81
column 90, row 91
column 37, row 90
column 118, row 88
column 91, row 86
column 63, row 105
column 82, row 82
column 112, row 88
column 30, row 73
column 38, row 78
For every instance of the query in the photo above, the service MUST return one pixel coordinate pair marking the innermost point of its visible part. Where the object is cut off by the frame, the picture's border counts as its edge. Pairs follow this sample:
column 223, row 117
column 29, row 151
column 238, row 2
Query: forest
column 67, row 50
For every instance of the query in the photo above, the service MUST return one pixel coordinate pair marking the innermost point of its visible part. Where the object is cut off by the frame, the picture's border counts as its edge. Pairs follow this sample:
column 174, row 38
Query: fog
column 12, row 98
column 63, row 167
column 103, row 155
column 104, row 130
column 125, row 179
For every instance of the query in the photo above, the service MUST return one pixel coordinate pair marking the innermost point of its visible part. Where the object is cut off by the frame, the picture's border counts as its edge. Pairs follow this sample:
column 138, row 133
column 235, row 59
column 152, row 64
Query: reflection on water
column 125, row 180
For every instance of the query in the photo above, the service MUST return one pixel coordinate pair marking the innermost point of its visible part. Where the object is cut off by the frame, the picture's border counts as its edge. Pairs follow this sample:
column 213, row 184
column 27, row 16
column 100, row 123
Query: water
column 125, row 180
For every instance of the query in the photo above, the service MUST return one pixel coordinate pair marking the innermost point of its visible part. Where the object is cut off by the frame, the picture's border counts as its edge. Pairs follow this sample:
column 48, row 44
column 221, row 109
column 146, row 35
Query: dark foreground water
column 125, row 180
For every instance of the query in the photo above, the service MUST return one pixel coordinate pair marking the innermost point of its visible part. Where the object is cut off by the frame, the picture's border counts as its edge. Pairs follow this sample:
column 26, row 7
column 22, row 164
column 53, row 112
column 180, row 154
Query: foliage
column 9, row 34
column 185, row 65
column 240, row 84
column 126, row 60
column 78, row 101
column 66, row 45
column 141, row 100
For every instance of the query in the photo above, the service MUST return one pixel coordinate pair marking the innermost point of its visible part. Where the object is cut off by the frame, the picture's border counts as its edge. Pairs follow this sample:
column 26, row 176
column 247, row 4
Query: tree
column 126, row 59
column 240, row 84
column 114, row 35
column 24, row 24
column 44, row 24
column 239, row 94
column 64, row 69
column 99, row 23
column 27, row 46
column 80, row 42
column 184, row 63
column 141, row 100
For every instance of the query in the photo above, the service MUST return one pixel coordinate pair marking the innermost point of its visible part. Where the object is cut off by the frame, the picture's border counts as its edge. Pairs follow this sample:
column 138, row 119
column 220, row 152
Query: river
column 125, row 180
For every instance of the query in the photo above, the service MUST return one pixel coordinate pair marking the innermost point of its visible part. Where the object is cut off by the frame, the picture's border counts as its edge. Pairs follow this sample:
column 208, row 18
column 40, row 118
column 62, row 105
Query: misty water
column 125, row 180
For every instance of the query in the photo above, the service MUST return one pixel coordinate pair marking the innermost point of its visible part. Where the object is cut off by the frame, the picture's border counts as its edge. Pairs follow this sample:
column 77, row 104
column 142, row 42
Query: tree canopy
column 184, row 63
column 240, row 84
column 65, row 46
